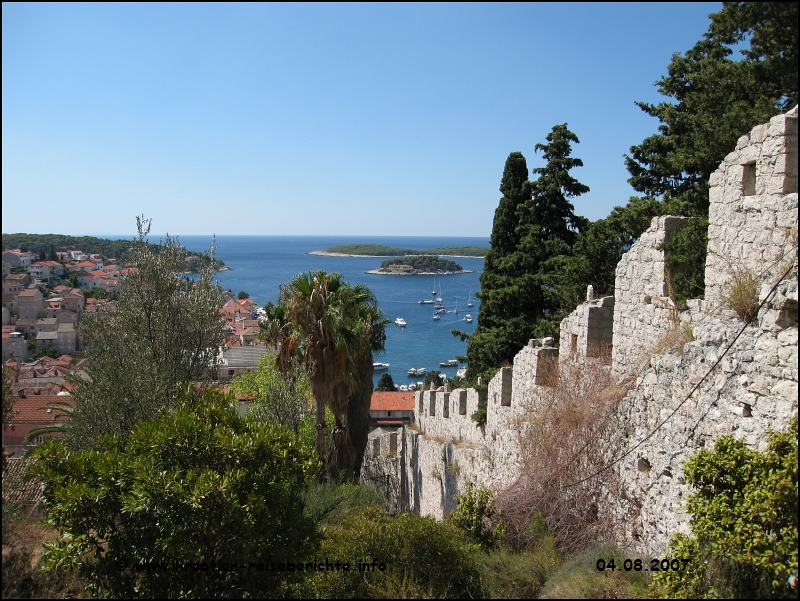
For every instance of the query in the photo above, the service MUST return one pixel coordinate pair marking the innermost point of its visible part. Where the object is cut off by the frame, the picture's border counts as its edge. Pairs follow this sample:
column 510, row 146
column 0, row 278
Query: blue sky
column 317, row 119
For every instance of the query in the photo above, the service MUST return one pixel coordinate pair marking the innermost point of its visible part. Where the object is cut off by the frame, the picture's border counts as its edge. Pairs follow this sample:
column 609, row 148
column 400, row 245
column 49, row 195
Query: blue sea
column 261, row 263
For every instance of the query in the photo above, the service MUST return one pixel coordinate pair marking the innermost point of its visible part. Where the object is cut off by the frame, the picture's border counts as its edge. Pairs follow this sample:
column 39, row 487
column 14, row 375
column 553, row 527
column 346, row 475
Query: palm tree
column 334, row 328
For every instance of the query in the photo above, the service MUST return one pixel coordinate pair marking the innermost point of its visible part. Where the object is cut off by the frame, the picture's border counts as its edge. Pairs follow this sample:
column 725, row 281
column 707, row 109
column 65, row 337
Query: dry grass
column 562, row 441
column 674, row 340
column 742, row 293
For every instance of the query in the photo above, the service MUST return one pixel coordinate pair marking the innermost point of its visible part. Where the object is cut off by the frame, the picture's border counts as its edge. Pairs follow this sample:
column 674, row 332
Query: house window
column 388, row 414
column 39, row 439
column 749, row 179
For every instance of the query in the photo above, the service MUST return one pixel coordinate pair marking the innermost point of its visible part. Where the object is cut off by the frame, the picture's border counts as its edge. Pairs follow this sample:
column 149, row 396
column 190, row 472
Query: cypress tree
column 503, row 271
column 533, row 223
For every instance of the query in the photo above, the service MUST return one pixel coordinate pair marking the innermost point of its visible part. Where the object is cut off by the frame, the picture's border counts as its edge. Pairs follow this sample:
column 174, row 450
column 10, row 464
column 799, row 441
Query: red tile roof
column 392, row 401
column 33, row 409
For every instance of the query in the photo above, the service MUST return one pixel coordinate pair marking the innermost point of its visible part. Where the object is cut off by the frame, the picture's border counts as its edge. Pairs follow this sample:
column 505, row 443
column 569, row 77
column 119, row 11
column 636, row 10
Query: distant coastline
column 325, row 253
column 382, row 272
column 379, row 250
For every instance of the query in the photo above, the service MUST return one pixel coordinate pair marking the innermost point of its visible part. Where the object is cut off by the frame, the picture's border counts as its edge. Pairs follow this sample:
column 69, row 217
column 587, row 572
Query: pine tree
column 533, row 223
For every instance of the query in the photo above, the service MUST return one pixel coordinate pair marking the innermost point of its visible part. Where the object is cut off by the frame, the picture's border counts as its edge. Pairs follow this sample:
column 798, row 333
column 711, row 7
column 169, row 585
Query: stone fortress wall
column 753, row 217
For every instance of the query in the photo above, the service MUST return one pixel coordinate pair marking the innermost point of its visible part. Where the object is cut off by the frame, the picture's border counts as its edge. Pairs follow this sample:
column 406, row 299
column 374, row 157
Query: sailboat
column 434, row 286
column 469, row 299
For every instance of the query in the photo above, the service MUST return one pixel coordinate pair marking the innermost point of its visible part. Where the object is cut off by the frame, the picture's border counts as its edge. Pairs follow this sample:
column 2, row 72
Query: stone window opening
column 749, row 179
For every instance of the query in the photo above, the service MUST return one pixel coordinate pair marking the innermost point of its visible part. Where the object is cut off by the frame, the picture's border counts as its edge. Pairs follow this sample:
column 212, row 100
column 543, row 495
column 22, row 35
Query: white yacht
column 435, row 315
column 449, row 363
column 412, row 372
column 377, row 366
column 400, row 321
column 426, row 301
column 468, row 318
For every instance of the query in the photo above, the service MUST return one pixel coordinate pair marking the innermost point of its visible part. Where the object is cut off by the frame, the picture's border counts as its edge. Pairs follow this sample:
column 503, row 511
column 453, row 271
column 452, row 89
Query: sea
column 260, row 264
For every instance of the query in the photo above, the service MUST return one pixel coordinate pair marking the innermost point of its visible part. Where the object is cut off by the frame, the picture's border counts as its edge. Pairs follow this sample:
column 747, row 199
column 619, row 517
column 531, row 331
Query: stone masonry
column 751, row 390
column 753, row 210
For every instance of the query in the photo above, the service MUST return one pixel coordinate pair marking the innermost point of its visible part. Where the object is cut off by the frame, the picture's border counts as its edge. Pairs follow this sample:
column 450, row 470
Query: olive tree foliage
column 159, row 333
column 278, row 397
column 744, row 522
column 199, row 485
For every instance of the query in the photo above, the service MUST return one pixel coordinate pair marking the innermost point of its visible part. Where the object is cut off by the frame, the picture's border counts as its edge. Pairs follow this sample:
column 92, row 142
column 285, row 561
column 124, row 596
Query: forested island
column 379, row 250
column 45, row 244
column 420, row 265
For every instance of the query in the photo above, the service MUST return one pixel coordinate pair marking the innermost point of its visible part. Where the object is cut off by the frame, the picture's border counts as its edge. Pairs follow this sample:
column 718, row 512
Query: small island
column 419, row 265
column 379, row 250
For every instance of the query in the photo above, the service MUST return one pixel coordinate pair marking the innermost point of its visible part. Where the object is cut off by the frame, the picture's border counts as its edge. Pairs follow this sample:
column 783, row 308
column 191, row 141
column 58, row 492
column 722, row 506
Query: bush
column 477, row 515
column 199, row 484
column 742, row 294
column 518, row 575
column 744, row 521
column 421, row 558
column 331, row 504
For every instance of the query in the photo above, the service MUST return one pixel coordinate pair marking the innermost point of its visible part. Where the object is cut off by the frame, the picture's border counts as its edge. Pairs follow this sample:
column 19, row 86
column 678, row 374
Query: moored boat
column 378, row 366
column 449, row 363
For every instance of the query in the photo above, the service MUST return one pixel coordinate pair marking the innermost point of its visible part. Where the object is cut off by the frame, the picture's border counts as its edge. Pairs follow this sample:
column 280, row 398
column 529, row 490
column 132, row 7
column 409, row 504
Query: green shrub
column 477, row 515
column 510, row 574
column 198, row 485
column 744, row 521
column 420, row 557
column 331, row 504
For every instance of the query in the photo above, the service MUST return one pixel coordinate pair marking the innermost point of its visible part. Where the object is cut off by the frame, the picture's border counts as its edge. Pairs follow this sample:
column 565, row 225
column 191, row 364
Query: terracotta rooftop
column 392, row 401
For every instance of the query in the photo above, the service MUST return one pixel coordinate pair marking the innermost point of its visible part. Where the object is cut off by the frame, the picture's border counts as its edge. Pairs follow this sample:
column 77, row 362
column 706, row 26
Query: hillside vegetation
column 113, row 249
column 426, row 263
column 379, row 250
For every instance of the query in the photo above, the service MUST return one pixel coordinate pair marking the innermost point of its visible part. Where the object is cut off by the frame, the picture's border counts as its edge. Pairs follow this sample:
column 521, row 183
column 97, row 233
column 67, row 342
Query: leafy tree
column 72, row 279
column 197, row 485
column 278, row 398
column 46, row 350
column 334, row 328
column 154, row 337
column 243, row 295
column 385, row 383
column 712, row 101
column 8, row 397
column 8, row 408
column 744, row 521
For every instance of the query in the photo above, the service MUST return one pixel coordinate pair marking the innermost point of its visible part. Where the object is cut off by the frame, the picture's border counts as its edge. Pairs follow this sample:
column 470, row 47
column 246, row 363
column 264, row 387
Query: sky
column 324, row 119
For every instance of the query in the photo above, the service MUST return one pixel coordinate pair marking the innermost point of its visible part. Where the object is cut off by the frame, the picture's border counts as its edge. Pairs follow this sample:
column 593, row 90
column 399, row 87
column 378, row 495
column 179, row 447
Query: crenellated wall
column 753, row 217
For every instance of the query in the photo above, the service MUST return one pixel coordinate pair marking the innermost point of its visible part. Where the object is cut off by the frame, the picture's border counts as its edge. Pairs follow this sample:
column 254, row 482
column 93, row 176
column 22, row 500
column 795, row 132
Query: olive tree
column 161, row 331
